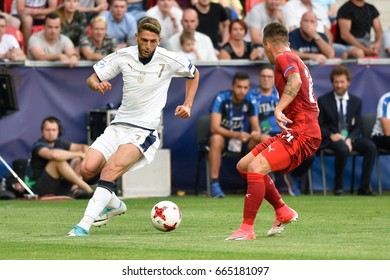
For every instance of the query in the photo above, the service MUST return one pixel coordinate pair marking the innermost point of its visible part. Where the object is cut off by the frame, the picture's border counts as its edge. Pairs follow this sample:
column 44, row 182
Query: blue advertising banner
column 62, row 92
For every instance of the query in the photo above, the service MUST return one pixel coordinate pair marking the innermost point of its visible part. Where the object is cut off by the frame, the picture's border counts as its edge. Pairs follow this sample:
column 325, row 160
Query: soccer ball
column 165, row 216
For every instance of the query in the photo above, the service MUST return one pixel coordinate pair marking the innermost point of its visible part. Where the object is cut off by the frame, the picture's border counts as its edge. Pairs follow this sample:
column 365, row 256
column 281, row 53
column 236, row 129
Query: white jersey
column 145, row 87
column 7, row 43
column 383, row 111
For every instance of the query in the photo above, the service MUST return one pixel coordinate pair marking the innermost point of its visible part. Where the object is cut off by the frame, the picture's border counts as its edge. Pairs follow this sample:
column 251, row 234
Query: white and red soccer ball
column 165, row 216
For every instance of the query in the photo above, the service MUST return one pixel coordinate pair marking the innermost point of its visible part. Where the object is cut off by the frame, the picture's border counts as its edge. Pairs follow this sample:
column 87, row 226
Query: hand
column 320, row 58
column 102, row 7
column 368, row 51
column 81, row 154
column 335, row 137
column 278, row 14
column 10, row 54
column 260, row 52
column 183, row 111
column 172, row 17
column 281, row 120
column 348, row 141
column 309, row 29
column 375, row 48
column 73, row 61
column 244, row 136
column 102, row 87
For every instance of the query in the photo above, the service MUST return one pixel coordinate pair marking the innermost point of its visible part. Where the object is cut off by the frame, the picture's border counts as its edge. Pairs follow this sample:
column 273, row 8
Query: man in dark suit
column 341, row 128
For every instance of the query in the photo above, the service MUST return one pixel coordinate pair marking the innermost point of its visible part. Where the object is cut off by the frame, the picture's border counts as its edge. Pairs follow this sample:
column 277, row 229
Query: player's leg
column 126, row 156
column 217, row 146
column 255, row 167
column 279, row 159
column 266, row 157
column 105, row 204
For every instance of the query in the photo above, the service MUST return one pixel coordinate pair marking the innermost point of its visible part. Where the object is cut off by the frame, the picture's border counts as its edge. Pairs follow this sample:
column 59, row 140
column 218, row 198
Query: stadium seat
column 18, row 35
column 7, row 6
column 202, row 135
column 333, row 30
column 37, row 28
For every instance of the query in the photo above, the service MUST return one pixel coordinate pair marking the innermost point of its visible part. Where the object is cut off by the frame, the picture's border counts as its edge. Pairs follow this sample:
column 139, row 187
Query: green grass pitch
column 329, row 228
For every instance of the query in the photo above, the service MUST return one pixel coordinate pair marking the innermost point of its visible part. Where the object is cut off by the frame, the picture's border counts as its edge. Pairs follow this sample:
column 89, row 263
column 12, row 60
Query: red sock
column 271, row 193
column 243, row 174
column 254, row 197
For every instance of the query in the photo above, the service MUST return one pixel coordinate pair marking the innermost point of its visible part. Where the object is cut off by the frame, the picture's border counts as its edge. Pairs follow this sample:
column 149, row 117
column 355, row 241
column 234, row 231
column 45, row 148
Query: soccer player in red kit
column 297, row 116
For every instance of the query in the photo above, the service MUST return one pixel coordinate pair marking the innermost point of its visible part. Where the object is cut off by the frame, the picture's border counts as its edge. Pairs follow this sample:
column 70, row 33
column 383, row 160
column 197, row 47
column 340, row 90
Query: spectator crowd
column 205, row 30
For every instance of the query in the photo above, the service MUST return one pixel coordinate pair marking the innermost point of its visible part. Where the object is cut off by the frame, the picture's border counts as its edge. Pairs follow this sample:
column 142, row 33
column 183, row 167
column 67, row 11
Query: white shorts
column 118, row 134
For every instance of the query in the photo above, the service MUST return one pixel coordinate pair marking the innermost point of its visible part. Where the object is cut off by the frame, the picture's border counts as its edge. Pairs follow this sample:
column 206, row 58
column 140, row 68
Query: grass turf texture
column 348, row 227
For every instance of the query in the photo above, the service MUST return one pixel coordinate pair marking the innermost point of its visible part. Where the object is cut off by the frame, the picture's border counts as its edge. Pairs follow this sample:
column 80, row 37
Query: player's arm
column 289, row 93
column 95, row 84
column 184, row 111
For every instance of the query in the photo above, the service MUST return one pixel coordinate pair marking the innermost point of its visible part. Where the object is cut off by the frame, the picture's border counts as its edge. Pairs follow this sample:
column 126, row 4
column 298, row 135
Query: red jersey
column 286, row 151
column 303, row 110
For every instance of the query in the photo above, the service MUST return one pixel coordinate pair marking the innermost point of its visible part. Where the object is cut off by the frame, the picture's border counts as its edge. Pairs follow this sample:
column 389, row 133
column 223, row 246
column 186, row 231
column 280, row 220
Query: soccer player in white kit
column 131, row 140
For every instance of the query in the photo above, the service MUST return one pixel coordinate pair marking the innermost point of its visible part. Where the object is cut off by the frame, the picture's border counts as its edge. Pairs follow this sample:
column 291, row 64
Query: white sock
column 96, row 204
column 115, row 202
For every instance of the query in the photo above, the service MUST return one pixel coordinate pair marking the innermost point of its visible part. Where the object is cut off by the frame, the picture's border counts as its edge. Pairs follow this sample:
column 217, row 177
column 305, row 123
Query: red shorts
column 285, row 152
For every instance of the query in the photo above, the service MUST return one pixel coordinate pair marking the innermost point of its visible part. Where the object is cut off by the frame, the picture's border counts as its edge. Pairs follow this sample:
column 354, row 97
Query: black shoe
column 338, row 192
column 365, row 192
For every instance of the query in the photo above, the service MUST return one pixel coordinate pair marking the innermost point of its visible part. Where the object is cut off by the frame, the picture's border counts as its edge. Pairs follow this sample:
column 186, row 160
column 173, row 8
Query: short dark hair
column 340, row 70
column 240, row 76
column 240, row 22
column 186, row 36
column 275, row 32
column 53, row 15
column 150, row 24
column 53, row 119
column 266, row 66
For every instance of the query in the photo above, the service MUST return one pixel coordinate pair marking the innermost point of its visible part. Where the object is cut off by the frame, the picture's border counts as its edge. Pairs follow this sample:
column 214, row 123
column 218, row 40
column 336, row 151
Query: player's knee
column 241, row 171
column 87, row 172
